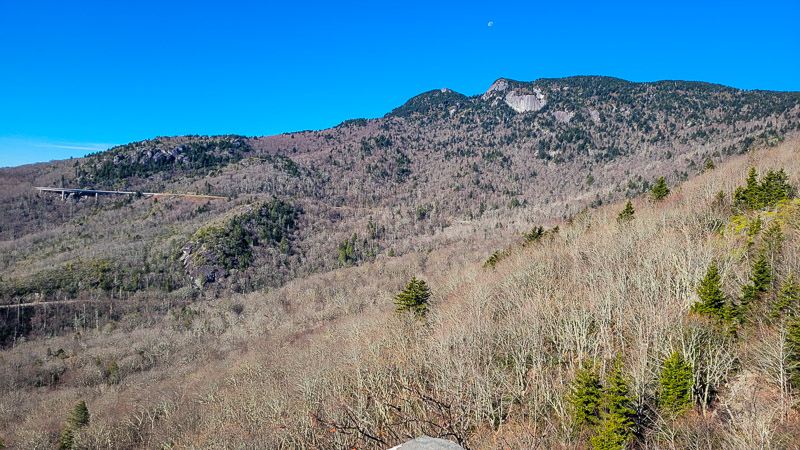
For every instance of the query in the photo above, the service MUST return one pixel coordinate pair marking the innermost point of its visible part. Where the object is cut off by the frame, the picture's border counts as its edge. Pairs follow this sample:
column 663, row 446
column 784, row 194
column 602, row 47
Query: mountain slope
column 325, row 362
column 438, row 170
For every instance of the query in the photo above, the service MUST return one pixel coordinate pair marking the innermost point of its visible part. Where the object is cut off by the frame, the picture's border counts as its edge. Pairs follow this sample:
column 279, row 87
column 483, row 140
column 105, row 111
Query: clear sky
column 81, row 76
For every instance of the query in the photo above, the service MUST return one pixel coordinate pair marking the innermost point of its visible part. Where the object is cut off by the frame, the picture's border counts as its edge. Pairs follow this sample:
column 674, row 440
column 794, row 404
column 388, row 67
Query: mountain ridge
column 279, row 289
column 437, row 162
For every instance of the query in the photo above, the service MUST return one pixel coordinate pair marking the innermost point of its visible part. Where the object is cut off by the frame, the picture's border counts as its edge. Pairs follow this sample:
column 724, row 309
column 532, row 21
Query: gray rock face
column 520, row 102
column 563, row 116
column 428, row 443
column 498, row 86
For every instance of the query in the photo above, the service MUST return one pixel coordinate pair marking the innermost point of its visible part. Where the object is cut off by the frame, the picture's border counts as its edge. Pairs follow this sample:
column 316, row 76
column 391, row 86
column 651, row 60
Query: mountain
column 441, row 168
column 283, row 262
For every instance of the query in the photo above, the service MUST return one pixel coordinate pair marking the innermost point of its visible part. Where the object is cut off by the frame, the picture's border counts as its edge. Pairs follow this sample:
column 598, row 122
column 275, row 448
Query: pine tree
column 788, row 298
column 80, row 415
column 78, row 419
column 627, row 213
column 772, row 189
column 773, row 238
column 617, row 415
column 775, row 187
column 676, row 384
column 793, row 344
column 414, row 298
column 617, row 400
column 614, row 434
column 585, row 396
column 67, row 440
column 712, row 299
column 709, row 164
column 762, row 273
column 750, row 196
column 660, row 190
column 759, row 281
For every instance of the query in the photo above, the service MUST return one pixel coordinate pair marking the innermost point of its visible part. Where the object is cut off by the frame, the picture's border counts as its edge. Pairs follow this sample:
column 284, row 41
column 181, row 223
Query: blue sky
column 81, row 76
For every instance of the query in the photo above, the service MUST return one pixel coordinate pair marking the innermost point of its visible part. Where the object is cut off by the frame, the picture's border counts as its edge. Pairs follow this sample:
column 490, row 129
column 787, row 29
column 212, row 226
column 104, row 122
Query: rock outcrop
column 519, row 99
column 428, row 443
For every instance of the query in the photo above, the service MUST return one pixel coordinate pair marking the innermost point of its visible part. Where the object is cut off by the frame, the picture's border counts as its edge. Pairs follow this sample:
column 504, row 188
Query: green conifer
column 616, row 397
column 67, row 440
column 762, row 273
column 676, row 385
column 759, row 281
column 414, row 298
column 613, row 434
column 773, row 238
column 749, row 196
column 78, row 419
column 617, row 414
column 788, row 298
column 793, row 344
column 712, row 299
column 626, row 214
column 80, row 415
column 709, row 164
column 660, row 190
column 585, row 396
column 774, row 188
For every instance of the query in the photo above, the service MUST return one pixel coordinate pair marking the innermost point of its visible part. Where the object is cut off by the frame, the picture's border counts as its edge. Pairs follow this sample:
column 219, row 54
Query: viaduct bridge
column 78, row 193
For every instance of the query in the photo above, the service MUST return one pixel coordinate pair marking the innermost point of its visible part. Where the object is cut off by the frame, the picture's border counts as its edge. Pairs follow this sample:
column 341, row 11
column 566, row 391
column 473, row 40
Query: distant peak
column 520, row 97
column 500, row 85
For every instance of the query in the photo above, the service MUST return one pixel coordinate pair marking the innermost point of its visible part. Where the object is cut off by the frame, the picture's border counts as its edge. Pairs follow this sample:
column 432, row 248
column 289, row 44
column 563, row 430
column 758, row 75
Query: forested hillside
column 564, row 263
column 674, row 325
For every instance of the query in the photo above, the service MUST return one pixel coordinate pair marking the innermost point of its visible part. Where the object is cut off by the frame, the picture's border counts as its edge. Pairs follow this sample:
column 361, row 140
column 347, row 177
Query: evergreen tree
column 660, row 190
column 78, row 419
column 80, row 415
column 793, row 344
column 712, row 299
column 613, row 434
column 762, row 274
column 414, row 298
column 775, row 187
column 755, row 225
column 616, row 397
column 773, row 238
column 759, row 281
column 627, row 213
column 709, row 164
column 788, row 298
column 772, row 189
column 67, row 440
column 676, row 384
column 616, row 428
column 749, row 196
column 585, row 396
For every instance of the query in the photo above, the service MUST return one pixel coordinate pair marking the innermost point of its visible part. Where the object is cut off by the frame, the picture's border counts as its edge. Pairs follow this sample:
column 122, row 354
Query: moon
column 491, row 23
